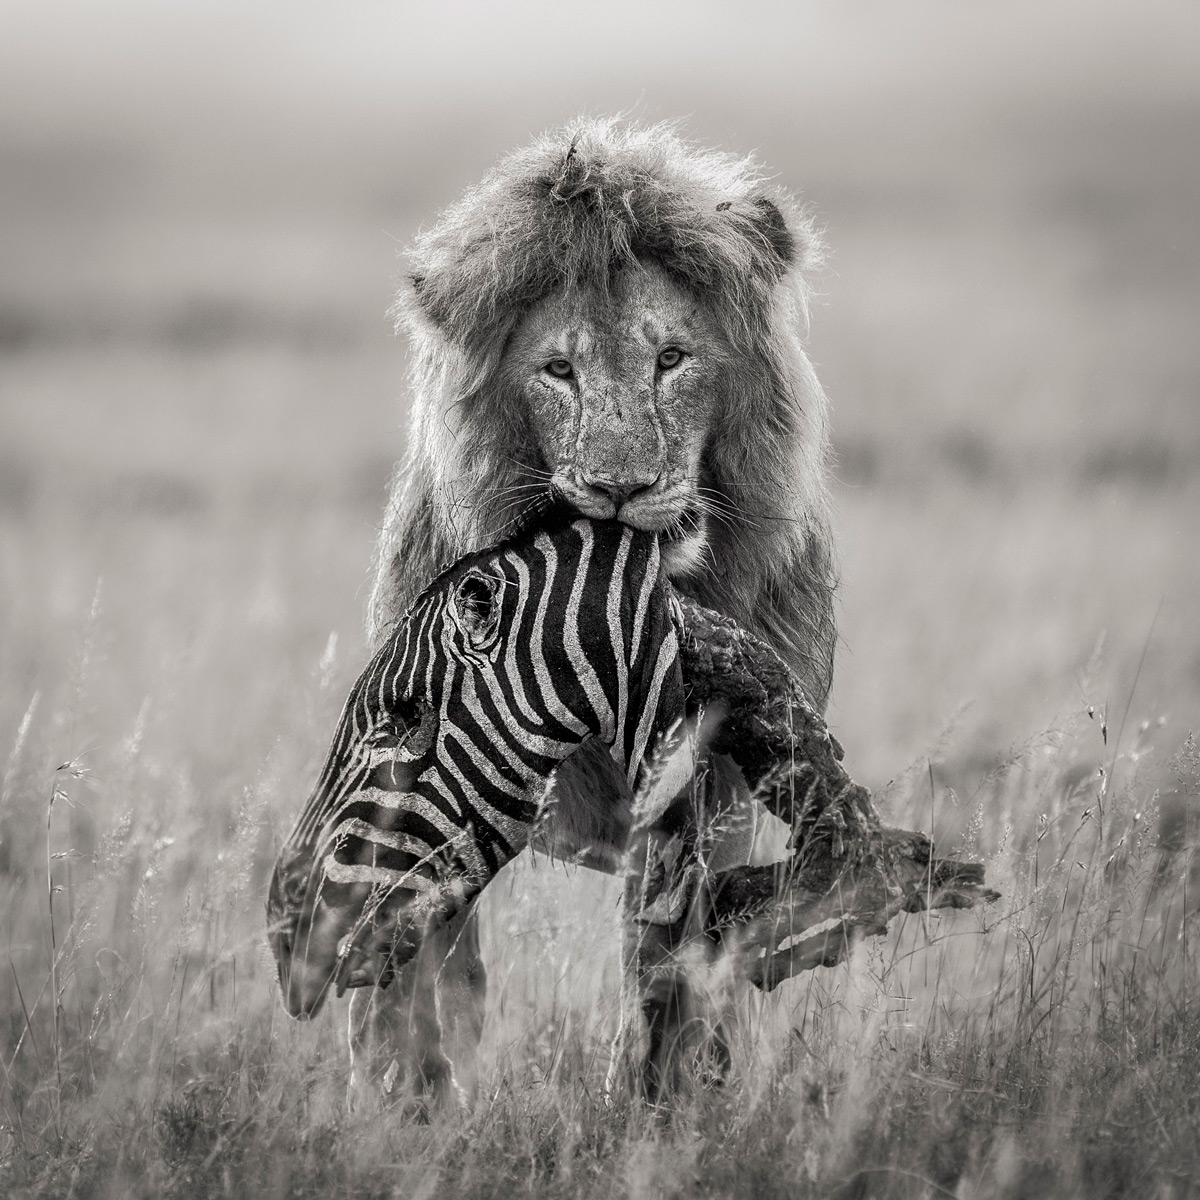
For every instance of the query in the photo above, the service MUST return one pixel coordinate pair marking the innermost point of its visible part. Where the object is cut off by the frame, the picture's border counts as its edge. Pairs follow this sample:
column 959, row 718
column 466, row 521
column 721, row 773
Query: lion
column 612, row 318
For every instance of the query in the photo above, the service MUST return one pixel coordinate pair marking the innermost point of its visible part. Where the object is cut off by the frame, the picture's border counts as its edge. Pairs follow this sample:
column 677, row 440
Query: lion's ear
column 426, row 298
column 444, row 292
column 462, row 304
column 775, row 232
column 772, row 243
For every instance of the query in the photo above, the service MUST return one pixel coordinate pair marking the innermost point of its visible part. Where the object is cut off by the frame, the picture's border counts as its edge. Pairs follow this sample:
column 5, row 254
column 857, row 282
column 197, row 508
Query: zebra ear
column 477, row 606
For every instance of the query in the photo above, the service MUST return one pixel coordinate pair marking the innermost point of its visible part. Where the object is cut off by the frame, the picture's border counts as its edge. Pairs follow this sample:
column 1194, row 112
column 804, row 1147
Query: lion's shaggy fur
column 569, row 211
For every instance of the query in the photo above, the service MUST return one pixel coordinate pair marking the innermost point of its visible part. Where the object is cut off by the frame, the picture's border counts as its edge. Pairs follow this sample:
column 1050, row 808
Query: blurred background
column 201, row 209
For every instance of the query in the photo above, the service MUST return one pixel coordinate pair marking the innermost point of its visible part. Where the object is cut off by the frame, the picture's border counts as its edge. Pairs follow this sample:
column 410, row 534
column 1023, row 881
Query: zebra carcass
column 446, row 749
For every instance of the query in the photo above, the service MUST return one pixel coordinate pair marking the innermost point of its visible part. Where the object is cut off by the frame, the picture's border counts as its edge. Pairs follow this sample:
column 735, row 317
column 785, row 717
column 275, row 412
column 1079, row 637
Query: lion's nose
column 619, row 490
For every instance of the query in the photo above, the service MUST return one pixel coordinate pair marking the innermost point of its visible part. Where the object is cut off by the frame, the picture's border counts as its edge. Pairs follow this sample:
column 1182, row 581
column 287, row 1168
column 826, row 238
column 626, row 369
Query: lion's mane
column 570, row 210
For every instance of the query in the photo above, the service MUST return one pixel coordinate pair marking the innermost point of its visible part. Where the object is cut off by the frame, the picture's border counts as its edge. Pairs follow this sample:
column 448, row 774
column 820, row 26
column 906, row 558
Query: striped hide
column 448, row 743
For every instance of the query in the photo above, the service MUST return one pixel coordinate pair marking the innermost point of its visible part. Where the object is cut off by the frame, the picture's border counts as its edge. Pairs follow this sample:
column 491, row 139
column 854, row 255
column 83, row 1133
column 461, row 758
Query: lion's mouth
column 685, row 544
column 668, row 510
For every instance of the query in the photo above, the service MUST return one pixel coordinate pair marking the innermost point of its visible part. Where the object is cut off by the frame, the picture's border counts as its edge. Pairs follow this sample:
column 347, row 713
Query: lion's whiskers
column 528, row 469
column 506, row 499
column 713, row 504
column 744, row 515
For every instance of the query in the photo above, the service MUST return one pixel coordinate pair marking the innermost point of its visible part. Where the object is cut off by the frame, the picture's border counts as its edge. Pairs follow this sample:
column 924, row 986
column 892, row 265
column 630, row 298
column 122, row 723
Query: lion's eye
column 672, row 356
column 560, row 368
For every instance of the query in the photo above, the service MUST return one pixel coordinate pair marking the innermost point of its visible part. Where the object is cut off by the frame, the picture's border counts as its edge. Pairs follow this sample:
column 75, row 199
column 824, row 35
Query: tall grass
column 200, row 406
column 1046, row 1046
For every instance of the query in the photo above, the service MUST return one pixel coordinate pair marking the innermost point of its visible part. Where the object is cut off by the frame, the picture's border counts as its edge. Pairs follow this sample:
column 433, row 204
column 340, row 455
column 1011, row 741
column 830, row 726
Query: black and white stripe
column 501, row 668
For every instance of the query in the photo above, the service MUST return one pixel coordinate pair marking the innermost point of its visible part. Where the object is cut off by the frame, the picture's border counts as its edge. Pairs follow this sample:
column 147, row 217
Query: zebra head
column 447, row 745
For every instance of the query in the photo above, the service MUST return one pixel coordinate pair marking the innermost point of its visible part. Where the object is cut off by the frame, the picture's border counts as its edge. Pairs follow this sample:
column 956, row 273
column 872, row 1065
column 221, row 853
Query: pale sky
column 76, row 65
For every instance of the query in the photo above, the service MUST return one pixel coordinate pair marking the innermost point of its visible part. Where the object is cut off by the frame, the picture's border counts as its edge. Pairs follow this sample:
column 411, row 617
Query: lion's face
column 679, row 390
column 620, row 389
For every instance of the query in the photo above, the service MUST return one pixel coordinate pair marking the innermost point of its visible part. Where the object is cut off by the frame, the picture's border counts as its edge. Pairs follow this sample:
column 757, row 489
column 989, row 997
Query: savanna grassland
column 200, row 404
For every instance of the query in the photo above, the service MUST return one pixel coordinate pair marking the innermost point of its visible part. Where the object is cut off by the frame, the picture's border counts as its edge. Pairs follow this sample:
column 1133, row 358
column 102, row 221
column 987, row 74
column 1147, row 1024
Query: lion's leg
column 683, row 1043
column 461, row 991
column 379, row 1036
column 395, row 1039
column 662, row 945
column 398, row 1034
column 667, row 1003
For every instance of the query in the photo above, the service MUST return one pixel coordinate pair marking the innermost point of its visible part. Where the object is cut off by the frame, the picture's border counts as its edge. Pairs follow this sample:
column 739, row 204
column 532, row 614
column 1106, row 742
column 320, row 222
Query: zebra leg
column 397, row 1033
